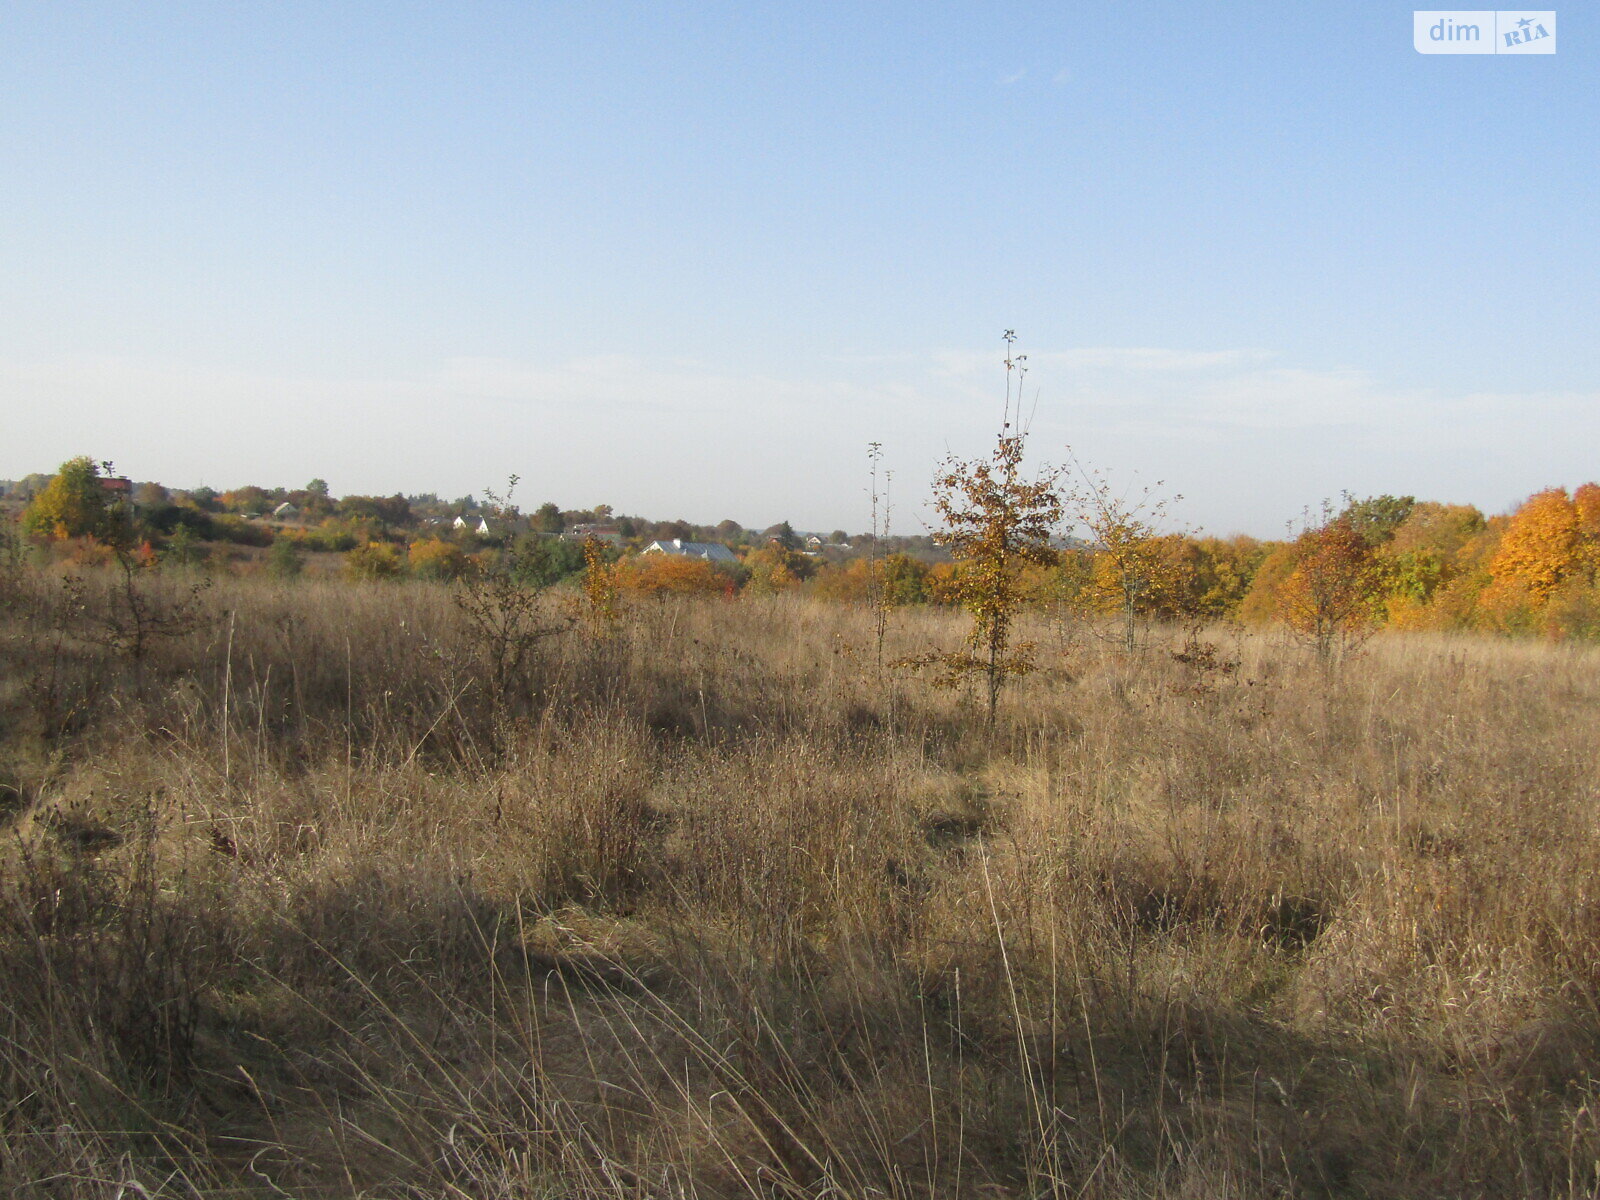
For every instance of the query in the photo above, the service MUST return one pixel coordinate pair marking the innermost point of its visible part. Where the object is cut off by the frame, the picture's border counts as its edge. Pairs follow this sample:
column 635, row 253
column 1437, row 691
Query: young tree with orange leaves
column 995, row 523
column 1331, row 596
column 1586, row 500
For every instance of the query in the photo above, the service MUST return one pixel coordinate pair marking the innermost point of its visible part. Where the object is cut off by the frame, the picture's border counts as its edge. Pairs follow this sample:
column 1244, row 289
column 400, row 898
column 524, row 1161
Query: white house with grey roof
column 710, row 551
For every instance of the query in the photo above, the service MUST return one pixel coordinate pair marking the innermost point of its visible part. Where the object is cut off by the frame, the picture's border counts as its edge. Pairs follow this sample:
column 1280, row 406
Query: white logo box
column 1484, row 31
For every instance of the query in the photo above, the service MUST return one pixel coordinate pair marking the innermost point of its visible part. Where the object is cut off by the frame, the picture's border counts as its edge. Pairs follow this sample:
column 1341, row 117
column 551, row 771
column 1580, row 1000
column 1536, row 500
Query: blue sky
column 690, row 259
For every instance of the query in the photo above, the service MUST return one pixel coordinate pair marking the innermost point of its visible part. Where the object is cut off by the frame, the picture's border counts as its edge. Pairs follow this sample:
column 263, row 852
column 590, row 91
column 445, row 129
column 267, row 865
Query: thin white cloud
column 1015, row 77
column 1150, row 358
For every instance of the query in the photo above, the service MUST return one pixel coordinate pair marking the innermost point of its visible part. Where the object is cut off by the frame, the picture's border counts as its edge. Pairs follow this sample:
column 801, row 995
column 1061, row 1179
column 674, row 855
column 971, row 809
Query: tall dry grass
column 712, row 907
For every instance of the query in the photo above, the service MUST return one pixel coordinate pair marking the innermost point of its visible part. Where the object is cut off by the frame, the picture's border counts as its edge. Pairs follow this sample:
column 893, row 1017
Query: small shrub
column 437, row 559
column 375, row 561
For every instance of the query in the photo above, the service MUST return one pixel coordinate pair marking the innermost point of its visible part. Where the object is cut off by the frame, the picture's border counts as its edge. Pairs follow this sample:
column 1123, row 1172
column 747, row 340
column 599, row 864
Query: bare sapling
column 1133, row 572
column 506, row 612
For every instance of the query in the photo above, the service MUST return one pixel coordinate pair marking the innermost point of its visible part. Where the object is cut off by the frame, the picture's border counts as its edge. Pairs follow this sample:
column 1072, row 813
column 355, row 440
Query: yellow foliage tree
column 435, row 558
column 1137, row 571
column 847, row 583
column 72, row 505
column 375, row 560
column 1586, row 500
column 600, row 587
column 1542, row 547
column 775, row 568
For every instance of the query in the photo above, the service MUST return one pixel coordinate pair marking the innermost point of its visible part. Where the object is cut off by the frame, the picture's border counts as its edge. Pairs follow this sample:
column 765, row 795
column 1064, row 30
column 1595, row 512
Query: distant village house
column 604, row 533
column 710, row 551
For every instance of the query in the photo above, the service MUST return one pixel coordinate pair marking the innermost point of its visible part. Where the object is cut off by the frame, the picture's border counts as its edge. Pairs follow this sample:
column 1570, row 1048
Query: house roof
column 710, row 551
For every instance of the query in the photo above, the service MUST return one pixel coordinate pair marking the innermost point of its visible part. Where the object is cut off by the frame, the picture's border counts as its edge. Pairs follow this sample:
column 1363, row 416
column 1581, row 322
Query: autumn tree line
column 1348, row 569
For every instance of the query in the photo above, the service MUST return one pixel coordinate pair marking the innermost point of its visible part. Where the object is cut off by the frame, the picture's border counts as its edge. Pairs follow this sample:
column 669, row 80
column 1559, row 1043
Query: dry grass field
column 714, row 907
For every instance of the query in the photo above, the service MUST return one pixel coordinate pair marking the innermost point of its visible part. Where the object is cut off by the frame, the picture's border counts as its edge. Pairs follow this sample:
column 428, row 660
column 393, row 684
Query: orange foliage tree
column 1331, row 596
column 1541, row 547
column 1543, row 573
column 846, row 583
column 1545, row 550
column 674, row 574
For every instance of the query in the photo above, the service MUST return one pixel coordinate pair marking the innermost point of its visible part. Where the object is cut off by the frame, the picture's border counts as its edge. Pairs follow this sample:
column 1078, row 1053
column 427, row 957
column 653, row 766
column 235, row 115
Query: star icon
column 1524, row 23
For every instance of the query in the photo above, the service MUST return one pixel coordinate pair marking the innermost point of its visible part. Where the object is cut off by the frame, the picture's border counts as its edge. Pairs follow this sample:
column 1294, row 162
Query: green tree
column 783, row 533
column 547, row 518
column 73, row 504
column 1220, row 574
column 905, row 580
column 285, row 560
column 543, row 562
column 183, row 549
column 1377, row 517
column 389, row 512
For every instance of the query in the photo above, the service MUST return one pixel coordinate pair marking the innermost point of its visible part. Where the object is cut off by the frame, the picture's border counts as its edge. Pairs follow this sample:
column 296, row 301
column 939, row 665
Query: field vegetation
column 315, row 896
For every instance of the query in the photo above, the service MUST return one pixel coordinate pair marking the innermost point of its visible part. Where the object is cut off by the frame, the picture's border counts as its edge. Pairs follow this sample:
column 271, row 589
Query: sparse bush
column 507, row 614
column 375, row 561
column 600, row 586
column 434, row 558
column 285, row 560
column 128, row 607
